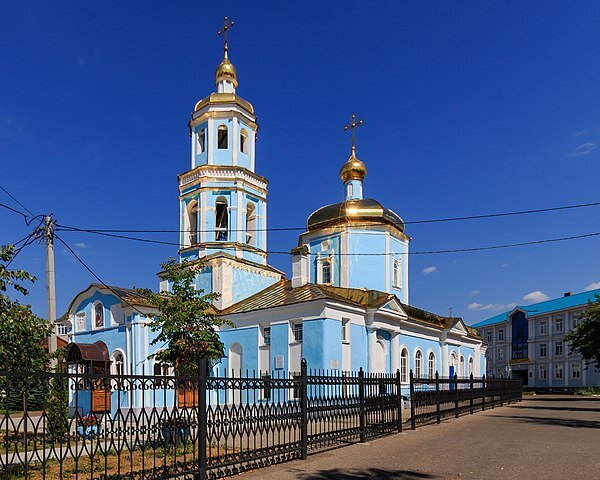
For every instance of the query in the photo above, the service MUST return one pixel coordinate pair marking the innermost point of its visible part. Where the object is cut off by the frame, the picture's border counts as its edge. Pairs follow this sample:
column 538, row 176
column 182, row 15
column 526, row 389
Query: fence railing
column 116, row 427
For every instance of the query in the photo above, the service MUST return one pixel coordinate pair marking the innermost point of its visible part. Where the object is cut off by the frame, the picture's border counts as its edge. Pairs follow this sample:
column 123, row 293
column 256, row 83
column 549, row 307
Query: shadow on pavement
column 371, row 473
column 560, row 422
column 563, row 409
column 564, row 398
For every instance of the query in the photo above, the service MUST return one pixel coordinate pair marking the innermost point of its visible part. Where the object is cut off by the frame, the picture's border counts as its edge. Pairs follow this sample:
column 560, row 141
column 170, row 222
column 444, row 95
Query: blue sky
column 469, row 107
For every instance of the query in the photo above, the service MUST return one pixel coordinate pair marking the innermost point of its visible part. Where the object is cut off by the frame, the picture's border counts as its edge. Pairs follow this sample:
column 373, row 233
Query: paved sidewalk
column 544, row 437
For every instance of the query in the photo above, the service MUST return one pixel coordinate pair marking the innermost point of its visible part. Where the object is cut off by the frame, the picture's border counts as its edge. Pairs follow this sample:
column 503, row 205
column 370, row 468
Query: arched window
column 404, row 366
column 452, row 369
column 221, row 219
column 243, row 141
column 118, row 363
column 192, row 221
column 471, row 372
column 431, row 365
column 98, row 315
column 201, row 141
column 326, row 271
column 397, row 273
column 251, row 233
column 350, row 190
column 462, row 366
column 418, row 364
column 222, row 137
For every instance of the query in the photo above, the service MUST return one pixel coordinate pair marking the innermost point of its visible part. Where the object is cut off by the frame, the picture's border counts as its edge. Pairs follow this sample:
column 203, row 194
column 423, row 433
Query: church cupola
column 353, row 172
column 226, row 74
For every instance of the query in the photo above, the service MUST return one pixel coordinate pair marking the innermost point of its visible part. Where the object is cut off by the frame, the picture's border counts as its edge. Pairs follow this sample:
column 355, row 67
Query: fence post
column 455, row 395
column 502, row 391
column 202, row 416
column 493, row 390
column 399, row 387
column 483, row 394
column 361, row 405
column 472, row 393
column 304, row 410
column 437, row 397
column 412, row 401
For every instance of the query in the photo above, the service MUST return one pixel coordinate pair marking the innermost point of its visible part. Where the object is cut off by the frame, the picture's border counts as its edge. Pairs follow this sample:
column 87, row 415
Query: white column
column 203, row 221
column 235, row 140
column 395, row 352
column 444, row 369
column 252, row 150
column 344, row 274
column 240, row 235
column 372, row 346
column 211, row 140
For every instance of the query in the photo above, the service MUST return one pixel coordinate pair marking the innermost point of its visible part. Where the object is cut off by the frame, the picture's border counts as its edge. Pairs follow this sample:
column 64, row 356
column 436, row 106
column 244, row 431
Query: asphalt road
column 543, row 437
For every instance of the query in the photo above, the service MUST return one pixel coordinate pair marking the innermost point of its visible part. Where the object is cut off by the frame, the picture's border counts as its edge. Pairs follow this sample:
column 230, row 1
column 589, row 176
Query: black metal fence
column 435, row 398
column 117, row 427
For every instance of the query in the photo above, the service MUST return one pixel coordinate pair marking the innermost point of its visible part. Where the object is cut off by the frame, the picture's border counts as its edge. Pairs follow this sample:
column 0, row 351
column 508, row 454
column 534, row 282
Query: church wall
column 317, row 250
column 203, row 280
column 245, row 284
column 401, row 248
column 367, row 271
column 199, row 158
column 279, row 346
column 358, row 343
column 248, row 339
column 221, row 156
column 322, row 345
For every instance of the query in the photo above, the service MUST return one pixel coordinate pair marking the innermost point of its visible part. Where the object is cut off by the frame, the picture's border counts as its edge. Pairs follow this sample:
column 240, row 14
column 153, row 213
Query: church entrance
column 521, row 375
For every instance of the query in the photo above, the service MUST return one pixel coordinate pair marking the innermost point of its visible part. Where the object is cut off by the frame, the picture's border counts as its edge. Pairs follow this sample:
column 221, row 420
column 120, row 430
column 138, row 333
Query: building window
column 345, row 330
column 201, row 141
column 62, row 329
column 576, row 320
column 118, row 364
column 297, row 334
column 520, row 335
column 543, row 372
column 98, row 315
column 461, row 366
column 575, row 370
column 488, row 336
column 222, row 137
column 221, row 219
column 431, row 365
column 558, row 348
column 251, row 233
column 326, row 271
column 558, row 324
column 543, row 327
column 192, row 220
column 543, row 350
column 500, row 334
column 243, row 141
column 471, row 368
column 418, row 364
column 558, row 371
column 397, row 273
column 350, row 190
column 266, row 336
column 404, row 366
column 500, row 354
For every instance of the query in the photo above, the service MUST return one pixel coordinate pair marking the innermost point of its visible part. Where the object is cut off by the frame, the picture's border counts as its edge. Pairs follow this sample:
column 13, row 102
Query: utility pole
column 50, row 285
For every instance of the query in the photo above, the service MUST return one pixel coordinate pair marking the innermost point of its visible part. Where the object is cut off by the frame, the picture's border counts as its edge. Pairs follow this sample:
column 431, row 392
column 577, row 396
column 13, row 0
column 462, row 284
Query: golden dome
column 226, row 71
column 353, row 169
column 358, row 212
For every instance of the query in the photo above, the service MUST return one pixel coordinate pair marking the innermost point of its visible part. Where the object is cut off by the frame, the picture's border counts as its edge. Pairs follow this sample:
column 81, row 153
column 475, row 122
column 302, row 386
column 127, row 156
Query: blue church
column 341, row 309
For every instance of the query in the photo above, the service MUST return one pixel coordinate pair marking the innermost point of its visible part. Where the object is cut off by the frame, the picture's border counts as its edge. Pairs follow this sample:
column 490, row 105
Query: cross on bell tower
column 353, row 171
column 223, row 31
column 353, row 125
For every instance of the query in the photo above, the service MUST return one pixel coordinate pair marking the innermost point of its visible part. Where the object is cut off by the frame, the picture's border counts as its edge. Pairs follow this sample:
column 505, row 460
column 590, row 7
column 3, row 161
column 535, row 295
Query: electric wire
column 11, row 196
column 423, row 252
column 412, row 222
column 96, row 276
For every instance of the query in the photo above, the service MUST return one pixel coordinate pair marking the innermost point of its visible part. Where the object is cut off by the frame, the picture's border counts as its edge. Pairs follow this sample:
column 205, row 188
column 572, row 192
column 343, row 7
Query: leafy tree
column 186, row 323
column 585, row 338
column 23, row 335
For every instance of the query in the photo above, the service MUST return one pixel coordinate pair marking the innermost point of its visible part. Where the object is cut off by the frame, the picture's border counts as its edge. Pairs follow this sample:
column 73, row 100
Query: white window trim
column 93, row 319
column 346, row 328
column 397, row 282
column 320, row 261
column 292, row 334
column 419, row 374
column 262, row 335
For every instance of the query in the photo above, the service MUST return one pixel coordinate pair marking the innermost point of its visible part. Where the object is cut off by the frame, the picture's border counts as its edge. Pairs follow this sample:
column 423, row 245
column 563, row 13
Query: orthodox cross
column 450, row 312
column 353, row 124
column 223, row 31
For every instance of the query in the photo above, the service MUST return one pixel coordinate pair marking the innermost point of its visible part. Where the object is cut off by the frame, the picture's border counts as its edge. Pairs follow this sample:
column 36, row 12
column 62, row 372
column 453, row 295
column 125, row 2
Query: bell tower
column 223, row 202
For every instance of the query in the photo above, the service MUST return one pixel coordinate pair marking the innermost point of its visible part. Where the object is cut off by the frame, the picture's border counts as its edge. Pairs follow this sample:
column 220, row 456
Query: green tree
column 23, row 335
column 185, row 322
column 585, row 338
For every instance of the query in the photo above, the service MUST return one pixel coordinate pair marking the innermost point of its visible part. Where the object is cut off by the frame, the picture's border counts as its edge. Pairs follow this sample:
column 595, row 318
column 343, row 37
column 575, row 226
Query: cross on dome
column 223, row 31
column 352, row 125
column 226, row 74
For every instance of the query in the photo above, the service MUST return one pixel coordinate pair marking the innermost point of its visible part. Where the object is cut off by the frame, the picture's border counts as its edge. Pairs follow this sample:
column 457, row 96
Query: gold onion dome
column 362, row 212
column 353, row 169
column 226, row 71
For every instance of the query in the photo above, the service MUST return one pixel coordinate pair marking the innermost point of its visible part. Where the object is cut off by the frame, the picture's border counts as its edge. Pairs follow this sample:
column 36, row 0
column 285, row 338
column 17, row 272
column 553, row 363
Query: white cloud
column 429, row 270
column 535, row 297
column 504, row 265
column 583, row 149
column 592, row 286
column 480, row 307
column 474, row 292
column 581, row 133
column 81, row 245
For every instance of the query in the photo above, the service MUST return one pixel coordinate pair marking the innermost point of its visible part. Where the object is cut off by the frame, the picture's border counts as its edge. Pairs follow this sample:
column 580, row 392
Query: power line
column 22, row 206
column 29, row 239
column 96, row 276
column 423, row 252
column 413, row 222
